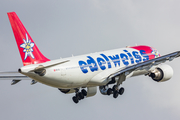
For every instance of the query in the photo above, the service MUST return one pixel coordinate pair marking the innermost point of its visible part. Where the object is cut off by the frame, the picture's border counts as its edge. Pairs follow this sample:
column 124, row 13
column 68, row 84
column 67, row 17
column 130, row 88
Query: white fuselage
column 86, row 70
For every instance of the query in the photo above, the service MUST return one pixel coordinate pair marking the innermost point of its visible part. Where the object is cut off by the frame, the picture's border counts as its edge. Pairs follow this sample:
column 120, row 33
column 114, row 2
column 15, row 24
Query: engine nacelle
column 162, row 73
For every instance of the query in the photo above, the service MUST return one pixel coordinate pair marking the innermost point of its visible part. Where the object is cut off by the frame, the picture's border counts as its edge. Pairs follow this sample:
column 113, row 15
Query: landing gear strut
column 116, row 90
column 79, row 95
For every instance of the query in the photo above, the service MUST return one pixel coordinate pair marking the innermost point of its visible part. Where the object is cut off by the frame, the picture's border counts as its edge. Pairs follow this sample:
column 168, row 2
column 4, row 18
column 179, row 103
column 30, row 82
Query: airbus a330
column 83, row 74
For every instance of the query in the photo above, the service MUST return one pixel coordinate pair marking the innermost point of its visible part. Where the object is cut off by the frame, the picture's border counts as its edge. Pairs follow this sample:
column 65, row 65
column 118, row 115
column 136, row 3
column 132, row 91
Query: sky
column 61, row 28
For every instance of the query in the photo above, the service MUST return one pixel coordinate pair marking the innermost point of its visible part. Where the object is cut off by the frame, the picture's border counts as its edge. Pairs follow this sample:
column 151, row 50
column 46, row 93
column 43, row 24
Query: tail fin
column 29, row 52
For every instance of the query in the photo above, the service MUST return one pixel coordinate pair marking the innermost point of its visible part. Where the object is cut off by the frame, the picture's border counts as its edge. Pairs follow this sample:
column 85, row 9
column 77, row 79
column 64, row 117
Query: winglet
column 30, row 54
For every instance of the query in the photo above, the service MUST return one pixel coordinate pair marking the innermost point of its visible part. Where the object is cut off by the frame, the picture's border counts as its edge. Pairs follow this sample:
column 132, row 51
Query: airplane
column 83, row 74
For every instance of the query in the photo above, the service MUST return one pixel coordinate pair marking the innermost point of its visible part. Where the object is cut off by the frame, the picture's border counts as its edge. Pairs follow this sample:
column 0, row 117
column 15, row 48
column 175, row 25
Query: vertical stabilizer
column 28, row 50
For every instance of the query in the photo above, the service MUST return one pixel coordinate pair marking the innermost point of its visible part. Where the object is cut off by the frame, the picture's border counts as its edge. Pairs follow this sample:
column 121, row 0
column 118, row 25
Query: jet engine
column 162, row 73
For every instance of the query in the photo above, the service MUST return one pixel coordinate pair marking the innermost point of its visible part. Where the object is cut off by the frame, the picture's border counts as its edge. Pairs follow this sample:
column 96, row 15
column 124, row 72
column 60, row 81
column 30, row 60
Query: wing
column 146, row 65
column 14, row 76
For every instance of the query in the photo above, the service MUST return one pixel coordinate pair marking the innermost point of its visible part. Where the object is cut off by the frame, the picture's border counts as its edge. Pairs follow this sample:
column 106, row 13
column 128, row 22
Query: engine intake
column 162, row 73
column 157, row 74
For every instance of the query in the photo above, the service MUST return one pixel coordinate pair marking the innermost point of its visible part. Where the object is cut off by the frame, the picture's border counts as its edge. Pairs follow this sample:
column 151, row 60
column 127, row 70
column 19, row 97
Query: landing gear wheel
column 77, row 96
column 83, row 91
column 115, row 94
column 75, row 99
column 121, row 91
column 109, row 91
column 81, row 95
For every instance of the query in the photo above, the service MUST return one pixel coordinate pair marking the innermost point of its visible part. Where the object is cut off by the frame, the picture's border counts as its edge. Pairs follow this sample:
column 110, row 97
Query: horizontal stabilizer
column 14, row 82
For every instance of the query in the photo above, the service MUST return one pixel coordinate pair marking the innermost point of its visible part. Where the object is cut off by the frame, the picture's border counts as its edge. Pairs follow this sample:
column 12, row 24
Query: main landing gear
column 105, row 90
column 79, row 95
column 115, row 91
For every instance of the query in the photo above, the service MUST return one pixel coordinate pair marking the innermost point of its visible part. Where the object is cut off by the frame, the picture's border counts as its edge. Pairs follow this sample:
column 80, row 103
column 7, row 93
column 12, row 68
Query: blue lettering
column 115, row 59
column 124, row 57
column 83, row 66
column 92, row 64
column 145, row 56
column 137, row 56
column 106, row 58
column 101, row 62
column 130, row 56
